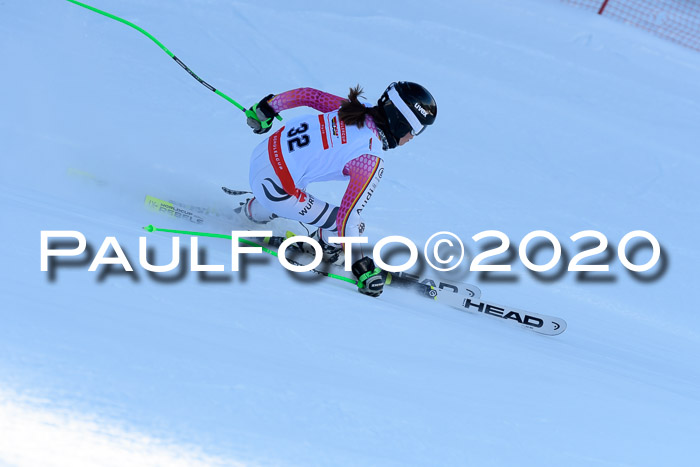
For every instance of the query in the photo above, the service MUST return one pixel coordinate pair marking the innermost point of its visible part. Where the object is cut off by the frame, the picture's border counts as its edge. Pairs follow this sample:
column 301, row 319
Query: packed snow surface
column 550, row 118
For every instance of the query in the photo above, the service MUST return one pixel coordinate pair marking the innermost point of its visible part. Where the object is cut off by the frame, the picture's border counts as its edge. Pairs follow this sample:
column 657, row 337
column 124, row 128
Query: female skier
column 343, row 142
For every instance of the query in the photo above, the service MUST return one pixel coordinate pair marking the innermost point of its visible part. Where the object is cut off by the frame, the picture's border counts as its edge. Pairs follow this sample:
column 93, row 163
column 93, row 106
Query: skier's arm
column 365, row 173
column 309, row 97
column 260, row 116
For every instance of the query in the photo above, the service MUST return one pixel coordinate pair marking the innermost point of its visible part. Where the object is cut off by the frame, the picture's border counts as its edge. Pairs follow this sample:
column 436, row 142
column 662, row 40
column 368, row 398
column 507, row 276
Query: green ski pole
column 151, row 228
column 165, row 49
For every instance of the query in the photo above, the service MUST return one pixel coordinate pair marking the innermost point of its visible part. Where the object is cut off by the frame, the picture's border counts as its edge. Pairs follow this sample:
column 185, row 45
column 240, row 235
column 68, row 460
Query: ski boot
column 250, row 206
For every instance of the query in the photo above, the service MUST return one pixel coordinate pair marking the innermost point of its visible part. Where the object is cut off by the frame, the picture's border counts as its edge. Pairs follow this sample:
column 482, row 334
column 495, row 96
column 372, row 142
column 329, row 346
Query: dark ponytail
column 354, row 112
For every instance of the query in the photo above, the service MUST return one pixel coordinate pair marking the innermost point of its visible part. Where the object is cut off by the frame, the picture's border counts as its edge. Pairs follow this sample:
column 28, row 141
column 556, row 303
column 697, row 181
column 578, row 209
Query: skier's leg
column 259, row 169
column 271, row 198
column 306, row 208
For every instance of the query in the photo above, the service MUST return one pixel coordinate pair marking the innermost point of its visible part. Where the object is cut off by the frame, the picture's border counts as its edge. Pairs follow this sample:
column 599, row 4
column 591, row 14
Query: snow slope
column 550, row 118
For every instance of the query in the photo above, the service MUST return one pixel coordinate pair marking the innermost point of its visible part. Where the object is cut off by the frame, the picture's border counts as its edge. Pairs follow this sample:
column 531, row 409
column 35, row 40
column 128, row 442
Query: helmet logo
column 420, row 109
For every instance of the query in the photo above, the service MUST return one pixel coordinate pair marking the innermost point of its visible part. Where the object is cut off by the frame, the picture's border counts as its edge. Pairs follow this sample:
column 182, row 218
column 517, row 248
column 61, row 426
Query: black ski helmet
column 408, row 107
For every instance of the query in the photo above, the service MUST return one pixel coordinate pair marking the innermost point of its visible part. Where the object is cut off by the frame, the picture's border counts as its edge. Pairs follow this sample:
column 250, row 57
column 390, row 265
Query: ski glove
column 370, row 280
column 260, row 116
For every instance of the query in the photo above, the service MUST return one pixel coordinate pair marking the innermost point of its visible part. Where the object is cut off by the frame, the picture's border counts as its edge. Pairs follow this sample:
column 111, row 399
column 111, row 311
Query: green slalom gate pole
column 165, row 49
column 151, row 228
